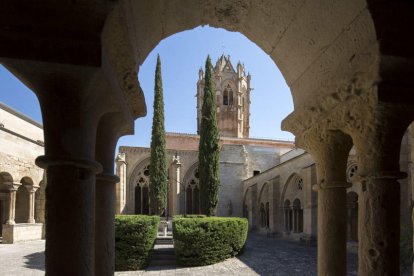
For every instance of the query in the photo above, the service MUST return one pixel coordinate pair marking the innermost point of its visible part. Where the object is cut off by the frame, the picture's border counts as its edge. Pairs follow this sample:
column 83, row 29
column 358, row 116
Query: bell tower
column 232, row 88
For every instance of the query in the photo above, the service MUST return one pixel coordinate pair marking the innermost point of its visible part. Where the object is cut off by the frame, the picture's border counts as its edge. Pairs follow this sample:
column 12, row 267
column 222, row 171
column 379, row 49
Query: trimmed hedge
column 208, row 240
column 189, row 216
column 134, row 239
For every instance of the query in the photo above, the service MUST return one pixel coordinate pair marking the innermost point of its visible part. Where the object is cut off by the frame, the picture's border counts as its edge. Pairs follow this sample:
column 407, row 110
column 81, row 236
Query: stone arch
column 352, row 215
column 264, row 206
column 293, row 188
column 293, row 212
column 23, row 200
column 292, row 41
column 192, row 190
column 6, row 180
column 139, row 188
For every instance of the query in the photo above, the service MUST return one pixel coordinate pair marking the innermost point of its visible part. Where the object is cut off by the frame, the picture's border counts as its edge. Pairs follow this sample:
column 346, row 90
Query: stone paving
column 262, row 256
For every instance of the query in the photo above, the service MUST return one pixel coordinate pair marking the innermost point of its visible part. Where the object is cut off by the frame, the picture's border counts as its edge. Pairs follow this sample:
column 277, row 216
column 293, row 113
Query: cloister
column 349, row 65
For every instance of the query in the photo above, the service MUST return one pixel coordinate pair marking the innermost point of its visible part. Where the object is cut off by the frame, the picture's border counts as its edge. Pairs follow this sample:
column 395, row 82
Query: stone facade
column 22, row 184
column 240, row 156
column 294, row 179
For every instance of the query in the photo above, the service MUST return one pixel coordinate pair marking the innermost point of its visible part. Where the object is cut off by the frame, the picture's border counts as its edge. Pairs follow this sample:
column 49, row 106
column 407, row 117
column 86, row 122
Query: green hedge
column 189, row 216
column 134, row 239
column 208, row 240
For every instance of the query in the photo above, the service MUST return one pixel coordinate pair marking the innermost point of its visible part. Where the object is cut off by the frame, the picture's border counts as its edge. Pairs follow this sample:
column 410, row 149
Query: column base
column 22, row 232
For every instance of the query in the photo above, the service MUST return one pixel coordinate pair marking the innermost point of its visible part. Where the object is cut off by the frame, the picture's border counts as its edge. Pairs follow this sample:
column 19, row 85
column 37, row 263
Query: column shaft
column 70, row 201
column 330, row 149
column 105, row 227
column 31, row 207
column 332, row 231
column 11, row 207
column 379, row 227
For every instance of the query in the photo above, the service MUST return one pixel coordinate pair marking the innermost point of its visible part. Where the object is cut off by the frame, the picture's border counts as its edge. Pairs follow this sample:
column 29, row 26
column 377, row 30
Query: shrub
column 189, row 216
column 134, row 239
column 208, row 240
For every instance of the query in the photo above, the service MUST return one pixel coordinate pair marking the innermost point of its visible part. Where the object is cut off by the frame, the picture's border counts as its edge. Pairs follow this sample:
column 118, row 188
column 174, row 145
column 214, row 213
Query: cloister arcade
column 21, row 208
column 349, row 65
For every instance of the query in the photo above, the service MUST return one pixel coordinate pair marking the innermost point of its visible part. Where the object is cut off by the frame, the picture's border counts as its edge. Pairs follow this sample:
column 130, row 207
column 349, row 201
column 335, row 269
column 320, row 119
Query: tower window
column 228, row 96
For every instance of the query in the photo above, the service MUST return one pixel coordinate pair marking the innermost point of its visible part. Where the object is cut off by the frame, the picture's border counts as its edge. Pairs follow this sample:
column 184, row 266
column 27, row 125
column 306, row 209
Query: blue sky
column 181, row 57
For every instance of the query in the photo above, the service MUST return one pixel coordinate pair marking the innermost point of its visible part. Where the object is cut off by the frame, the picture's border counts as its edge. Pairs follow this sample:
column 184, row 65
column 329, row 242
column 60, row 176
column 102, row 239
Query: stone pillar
column 295, row 220
column 330, row 150
column 110, row 128
column 13, row 186
column 289, row 220
column 378, row 152
column 32, row 190
column 71, row 108
column 121, row 187
column 175, row 193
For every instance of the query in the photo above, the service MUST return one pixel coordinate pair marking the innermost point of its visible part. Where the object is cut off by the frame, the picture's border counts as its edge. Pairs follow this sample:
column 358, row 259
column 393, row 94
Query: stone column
column 71, row 108
column 13, row 186
column 174, row 182
column 122, row 186
column 378, row 152
column 289, row 220
column 110, row 128
column 32, row 190
column 330, row 150
column 295, row 220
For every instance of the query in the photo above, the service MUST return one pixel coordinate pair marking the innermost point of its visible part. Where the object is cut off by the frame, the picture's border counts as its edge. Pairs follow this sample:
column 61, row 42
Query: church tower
column 232, row 98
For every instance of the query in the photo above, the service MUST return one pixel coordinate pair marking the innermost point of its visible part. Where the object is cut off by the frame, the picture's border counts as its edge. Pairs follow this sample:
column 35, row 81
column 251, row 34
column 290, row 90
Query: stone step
column 163, row 256
column 163, row 251
column 164, row 240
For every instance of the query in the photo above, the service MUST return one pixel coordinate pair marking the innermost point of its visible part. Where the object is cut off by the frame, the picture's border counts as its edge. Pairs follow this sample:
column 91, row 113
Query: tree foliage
column 158, row 168
column 209, row 151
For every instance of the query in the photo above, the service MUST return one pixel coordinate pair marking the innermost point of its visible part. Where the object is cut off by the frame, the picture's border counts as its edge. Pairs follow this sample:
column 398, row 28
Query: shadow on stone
column 35, row 261
column 274, row 256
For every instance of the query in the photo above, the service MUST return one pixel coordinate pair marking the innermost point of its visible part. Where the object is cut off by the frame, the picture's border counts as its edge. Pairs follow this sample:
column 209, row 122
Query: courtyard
column 262, row 256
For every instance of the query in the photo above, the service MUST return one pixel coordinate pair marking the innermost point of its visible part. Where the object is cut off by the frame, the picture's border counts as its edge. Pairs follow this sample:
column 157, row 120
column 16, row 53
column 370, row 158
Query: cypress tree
column 209, row 151
column 158, row 168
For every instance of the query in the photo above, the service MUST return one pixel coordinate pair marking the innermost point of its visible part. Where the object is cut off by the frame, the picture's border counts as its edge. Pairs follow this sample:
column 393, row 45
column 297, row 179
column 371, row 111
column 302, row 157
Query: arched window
column 228, row 96
column 351, row 172
column 287, row 215
column 192, row 194
column 141, row 192
column 297, row 217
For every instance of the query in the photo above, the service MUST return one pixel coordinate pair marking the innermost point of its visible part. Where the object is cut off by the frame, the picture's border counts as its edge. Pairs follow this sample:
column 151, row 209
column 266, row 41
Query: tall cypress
column 158, row 167
column 209, row 151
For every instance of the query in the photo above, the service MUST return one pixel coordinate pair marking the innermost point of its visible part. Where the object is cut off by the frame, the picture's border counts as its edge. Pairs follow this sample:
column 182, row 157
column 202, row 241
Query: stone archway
column 140, row 185
column 192, row 190
column 333, row 54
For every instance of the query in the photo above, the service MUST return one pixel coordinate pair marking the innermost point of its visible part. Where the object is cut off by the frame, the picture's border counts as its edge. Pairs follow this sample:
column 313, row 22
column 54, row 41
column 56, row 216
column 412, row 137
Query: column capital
column 45, row 161
column 381, row 175
column 107, row 177
column 13, row 186
column 31, row 188
column 332, row 185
